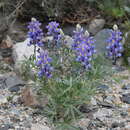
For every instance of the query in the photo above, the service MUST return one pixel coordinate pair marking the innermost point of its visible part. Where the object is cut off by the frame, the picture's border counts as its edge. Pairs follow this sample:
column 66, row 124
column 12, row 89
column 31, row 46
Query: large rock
column 68, row 40
column 96, row 25
column 101, row 38
column 22, row 52
column 11, row 82
column 14, row 83
column 126, row 55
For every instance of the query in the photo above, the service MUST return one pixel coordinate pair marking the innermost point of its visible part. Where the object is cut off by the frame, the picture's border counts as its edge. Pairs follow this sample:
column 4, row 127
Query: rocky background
column 20, row 106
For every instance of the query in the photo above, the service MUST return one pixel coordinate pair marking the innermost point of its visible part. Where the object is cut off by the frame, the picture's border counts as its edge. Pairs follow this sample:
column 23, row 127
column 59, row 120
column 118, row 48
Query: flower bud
column 78, row 27
column 33, row 19
column 115, row 27
column 86, row 33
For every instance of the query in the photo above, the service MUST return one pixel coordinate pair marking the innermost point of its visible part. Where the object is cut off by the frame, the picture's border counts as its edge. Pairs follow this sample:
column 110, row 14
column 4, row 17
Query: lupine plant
column 115, row 47
column 67, row 89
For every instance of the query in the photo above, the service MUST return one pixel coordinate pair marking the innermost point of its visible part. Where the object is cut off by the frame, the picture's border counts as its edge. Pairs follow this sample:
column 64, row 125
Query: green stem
column 35, row 51
column 114, row 60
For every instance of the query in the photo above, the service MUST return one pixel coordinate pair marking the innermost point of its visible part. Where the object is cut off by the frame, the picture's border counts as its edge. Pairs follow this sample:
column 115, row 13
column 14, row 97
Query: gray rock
column 126, row 87
column 1, row 58
column 126, row 98
column 87, row 108
column 102, row 114
column 82, row 123
column 127, row 127
column 14, row 89
column 6, row 52
column 96, row 25
column 102, row 87
column 100, row 43
column 39, row 127
column 69, row 41
column 13, row 83
column 2, row 82
column 68, row 29
column 106, row 105
column 15, row 112
column 123, row 114
column 126, row 42
column 118, row 68
column 128, row 59
column 15, row 99
column 93, row 101
column 27, row 124
column 117, row 124
column 4, row 127
column 3, row 100
column 109, row 99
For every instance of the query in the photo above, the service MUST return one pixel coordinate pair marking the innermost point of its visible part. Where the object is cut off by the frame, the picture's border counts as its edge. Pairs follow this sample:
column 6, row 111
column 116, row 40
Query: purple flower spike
column 35, row 33
column 44, row 64
column 115, row 47
column 78, row 34
column 54, row 30
column 83, row 47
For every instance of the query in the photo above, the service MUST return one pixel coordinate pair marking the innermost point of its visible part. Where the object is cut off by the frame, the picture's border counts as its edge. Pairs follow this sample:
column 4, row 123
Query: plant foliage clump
column 67, row 82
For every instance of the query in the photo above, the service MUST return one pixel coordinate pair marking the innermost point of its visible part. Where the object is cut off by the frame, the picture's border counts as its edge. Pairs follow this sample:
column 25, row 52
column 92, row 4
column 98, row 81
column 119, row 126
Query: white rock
column 48, row 38
column 15, row 98
column 93, row 101
column 69, row 41
column 21, row 52
column 3, row 100
column 96, row 25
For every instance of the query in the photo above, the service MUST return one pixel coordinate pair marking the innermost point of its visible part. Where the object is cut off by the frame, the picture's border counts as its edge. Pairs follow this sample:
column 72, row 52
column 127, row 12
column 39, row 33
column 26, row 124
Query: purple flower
column 54, row 30
column 78, row 34
column 115, row 47
column 35, row 33
column 84, row 47
column 43, row 63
